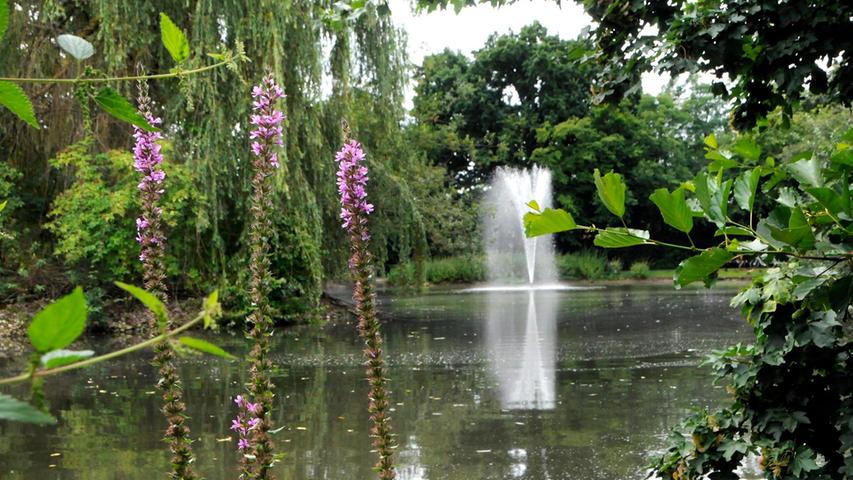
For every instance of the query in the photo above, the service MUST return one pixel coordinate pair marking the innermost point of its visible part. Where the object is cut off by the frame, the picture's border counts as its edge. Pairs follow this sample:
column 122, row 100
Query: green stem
column 107, row 356
column 117, row 79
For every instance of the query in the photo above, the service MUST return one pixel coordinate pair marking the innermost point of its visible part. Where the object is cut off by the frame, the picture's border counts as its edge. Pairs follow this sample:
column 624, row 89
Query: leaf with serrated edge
column 174, row 39
column 14, row 410
column 13, row 97
column 113, row 103
column 60, row 323
column 58, row 358
column 206, row 347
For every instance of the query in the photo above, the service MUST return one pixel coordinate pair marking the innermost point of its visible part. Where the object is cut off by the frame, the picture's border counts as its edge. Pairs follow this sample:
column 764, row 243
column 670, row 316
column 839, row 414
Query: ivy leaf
column 206, row 347
column 174, row 39
column 804, row 461
column 4, row 17
column 14, row 98
column 701, row 267
column 59, row 323
column 807, row 171
column 150, row 301
column 58, row 358
column 17, row 411
column 674, row 209
column 113, row 103
column 548, row 221
column 619, row 237
column 75, row 46
column 611, row 191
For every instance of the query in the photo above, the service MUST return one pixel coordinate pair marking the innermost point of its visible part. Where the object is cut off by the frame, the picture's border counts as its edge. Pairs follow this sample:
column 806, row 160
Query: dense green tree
column 474, row 115
column 772, row 52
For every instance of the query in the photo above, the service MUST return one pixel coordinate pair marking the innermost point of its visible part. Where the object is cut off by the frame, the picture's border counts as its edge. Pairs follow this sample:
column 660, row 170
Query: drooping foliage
column 366, row 68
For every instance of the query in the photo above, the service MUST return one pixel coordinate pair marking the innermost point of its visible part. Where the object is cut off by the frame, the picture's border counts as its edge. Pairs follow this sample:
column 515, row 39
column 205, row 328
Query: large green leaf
column 807, row 171
column 836, row 203
column 674, row 209
column 611, row 190
column 747, row 148
column 620, row 238
column 4, row 17
column 745, row 187
column 206, row 347
column 174, row 39
column 59, row 323
column 150, row 301
column 113, row 103
column 713, row 197
column 701, row 267
column 17, row 411
column 212, row 309
column 798, row 234
column 58, row 358
column 548, row 221
column 14, row 98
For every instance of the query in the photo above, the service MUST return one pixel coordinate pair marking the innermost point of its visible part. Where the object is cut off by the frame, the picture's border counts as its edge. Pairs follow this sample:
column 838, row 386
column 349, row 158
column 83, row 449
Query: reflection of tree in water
column 521, row 333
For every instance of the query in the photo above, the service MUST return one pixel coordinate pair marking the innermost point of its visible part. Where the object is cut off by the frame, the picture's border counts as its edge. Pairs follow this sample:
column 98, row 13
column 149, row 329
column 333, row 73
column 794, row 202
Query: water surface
column 578, row 385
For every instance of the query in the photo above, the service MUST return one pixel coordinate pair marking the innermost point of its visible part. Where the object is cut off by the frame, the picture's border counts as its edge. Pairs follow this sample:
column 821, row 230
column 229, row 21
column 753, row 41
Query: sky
column 433, row 32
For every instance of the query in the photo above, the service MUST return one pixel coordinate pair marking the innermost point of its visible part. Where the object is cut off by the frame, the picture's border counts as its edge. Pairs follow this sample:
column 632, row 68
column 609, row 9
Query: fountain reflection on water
column 521, row 329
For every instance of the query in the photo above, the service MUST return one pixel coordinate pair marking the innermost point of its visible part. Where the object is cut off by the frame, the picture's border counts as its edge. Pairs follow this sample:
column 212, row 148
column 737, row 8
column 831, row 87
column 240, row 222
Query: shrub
column 582, row 265
column 639, row 270
column 461, row 269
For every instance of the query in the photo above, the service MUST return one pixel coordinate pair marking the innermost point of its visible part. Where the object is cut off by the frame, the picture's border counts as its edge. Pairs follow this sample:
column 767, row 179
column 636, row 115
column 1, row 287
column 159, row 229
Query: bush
column 94, row 220
column 461, row 269
column 582, row 265
column 639, row 270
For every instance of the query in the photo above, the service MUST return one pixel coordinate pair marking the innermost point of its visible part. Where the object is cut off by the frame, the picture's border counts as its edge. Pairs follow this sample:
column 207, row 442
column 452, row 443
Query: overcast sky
column 433, row 32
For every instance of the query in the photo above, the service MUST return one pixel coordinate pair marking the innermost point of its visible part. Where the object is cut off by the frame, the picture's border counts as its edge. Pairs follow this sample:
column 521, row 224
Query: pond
column 579, row 384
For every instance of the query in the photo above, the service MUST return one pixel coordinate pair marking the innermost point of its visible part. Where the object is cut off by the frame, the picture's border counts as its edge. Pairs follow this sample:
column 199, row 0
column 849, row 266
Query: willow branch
column 175, row 74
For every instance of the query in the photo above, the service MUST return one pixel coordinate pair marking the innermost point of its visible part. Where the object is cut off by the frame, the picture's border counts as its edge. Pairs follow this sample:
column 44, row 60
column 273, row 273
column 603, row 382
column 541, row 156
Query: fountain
column 512, row 260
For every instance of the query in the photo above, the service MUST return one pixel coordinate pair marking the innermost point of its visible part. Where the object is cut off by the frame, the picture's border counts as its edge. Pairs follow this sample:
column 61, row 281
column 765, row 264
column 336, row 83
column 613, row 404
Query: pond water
column 579, row 384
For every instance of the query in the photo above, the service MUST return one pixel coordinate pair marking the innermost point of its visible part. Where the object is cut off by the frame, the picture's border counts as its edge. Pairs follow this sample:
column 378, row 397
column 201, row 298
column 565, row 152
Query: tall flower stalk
column 147, row 160
column 254, row 420
column 352, row 180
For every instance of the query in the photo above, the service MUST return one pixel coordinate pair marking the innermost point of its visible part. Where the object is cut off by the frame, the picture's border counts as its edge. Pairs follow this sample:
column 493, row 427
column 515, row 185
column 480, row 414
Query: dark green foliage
column 487, row 110
column 583, row 265
column 459, row 269
column 639, row 270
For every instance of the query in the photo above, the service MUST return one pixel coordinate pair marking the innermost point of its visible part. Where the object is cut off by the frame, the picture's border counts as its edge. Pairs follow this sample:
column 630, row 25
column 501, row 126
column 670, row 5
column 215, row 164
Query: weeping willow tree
column 334, row 62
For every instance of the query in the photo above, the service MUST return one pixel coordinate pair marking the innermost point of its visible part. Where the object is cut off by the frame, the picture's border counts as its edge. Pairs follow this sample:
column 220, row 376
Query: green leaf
column 534, row 205
column 713, row 197
column 807, row 171
column 206, row 347
column 804, row 461
column 731, row 230
column 174, row 39
column 701, row 267
column 548, row 221
column 4, row 17
column 75, row 46
column 711, row 141
column 17, row 411
column 611, row 190
column 719, row 161
column 798, row 234
column 150, row 301
column 674, row 209
column 747, row 148
column 3, row 205
column 14, row 98
column 843, row 156
column 745, row 187
column 117, row 106
column 58, row 358
column 212, row 309
column 59, row 323
column 829, row 199
column 619, row 237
